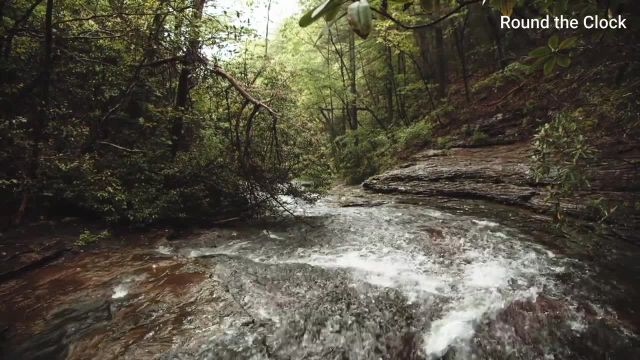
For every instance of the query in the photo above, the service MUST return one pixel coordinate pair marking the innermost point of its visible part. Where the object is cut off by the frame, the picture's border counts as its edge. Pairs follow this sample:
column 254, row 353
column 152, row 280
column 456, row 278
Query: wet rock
column 365, row 283
column 602, row 341
column 502, row 174
column 299, row 311
column 359, row 202
column 465, row 173
column 61, row 329
column 21, row 263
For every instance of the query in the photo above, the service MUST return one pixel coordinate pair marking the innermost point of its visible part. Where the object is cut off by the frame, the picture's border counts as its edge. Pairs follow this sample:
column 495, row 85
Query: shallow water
column 378, row 279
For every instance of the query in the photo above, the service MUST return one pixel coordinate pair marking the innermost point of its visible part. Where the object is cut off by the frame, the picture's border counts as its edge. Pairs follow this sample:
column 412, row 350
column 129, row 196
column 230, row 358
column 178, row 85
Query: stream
column 355, row 276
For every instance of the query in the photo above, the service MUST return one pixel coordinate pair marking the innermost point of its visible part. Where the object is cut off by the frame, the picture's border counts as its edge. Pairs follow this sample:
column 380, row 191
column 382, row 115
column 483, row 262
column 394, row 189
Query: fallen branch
column 242, row 90
column 219, row 222
column 513, row 91
column 170, row 60
column 119, row 147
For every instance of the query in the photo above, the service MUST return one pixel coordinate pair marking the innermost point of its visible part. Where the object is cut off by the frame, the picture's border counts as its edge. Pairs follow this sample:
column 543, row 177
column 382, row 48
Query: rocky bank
column 501, row 174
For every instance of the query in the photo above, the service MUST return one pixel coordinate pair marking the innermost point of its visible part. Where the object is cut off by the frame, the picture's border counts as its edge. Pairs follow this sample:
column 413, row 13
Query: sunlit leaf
column 313, row 15
column 505, row 6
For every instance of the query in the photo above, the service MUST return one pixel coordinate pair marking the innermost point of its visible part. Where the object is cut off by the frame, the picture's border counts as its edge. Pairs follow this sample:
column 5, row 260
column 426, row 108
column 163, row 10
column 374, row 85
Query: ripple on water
column 473, row 268
column 121, row 290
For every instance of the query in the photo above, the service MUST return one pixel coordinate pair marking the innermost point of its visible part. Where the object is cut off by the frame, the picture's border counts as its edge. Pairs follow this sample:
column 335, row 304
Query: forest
column 152, row 119
column 148, row 111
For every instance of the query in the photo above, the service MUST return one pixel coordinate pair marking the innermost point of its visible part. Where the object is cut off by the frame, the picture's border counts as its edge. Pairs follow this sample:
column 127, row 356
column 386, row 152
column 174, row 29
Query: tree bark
column 178, row 140
column 389, row 84
column 353, row 108
column 494, row 30
column 41, row 118
column 441, row 57
column 422, row 42
column 459, row 40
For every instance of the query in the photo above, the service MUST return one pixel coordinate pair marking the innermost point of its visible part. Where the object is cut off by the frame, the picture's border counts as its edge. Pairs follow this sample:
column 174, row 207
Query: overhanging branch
column 242, row 90
column 444, row 17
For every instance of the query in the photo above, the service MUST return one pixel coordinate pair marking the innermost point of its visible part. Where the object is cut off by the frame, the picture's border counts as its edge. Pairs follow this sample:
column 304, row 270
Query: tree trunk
column 353, row 108
column 41, row 118
column 389, row 88
column 494, row 30
column 266, row 37
column 178, row 140
column 422, row 42
column 459, row 40
column 441, row 57
column 402, row 69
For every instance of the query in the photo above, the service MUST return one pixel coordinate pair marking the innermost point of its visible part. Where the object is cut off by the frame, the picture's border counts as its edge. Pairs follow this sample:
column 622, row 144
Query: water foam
column 473, row 269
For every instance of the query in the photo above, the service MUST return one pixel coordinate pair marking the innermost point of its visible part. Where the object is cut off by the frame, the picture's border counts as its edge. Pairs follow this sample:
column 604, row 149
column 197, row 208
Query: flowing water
column 377, row 278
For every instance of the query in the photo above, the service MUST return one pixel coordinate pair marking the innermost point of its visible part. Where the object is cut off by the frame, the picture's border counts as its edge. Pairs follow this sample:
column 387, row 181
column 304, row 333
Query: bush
column 142, row 188
column 415, row 136
column 513, row 72
column 443, row 142
column 87, row 237
column 361, row 154
column 562, row 153
column 479, row 137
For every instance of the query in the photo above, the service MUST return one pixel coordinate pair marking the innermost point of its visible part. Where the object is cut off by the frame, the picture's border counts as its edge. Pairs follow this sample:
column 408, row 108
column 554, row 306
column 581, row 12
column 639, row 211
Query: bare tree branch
column 460, row 6
column 242, row 90
column 119, row 147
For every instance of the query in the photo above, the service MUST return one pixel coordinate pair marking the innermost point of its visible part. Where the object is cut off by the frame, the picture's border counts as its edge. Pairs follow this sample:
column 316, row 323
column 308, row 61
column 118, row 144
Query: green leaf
column 316, row 13
column 306, row 20
column 506, row 7
column 331, row 14
column 540, row 62
column 564, row 61
column 549, row 66
column 568, row 43
column 554, row 41
column 540, row 52
column 360, row 18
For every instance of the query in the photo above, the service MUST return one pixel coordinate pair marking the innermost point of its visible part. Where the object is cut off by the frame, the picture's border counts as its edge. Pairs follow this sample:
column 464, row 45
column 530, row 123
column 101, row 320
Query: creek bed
column 356, row 276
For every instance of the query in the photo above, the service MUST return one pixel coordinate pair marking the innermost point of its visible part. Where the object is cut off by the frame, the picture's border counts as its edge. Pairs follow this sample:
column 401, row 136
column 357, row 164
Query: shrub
column 479, row 137
column 562, row 152
column 515, row 71
column 443, row 142
column 360, row 154
column 87, row 237
column 415, row 136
